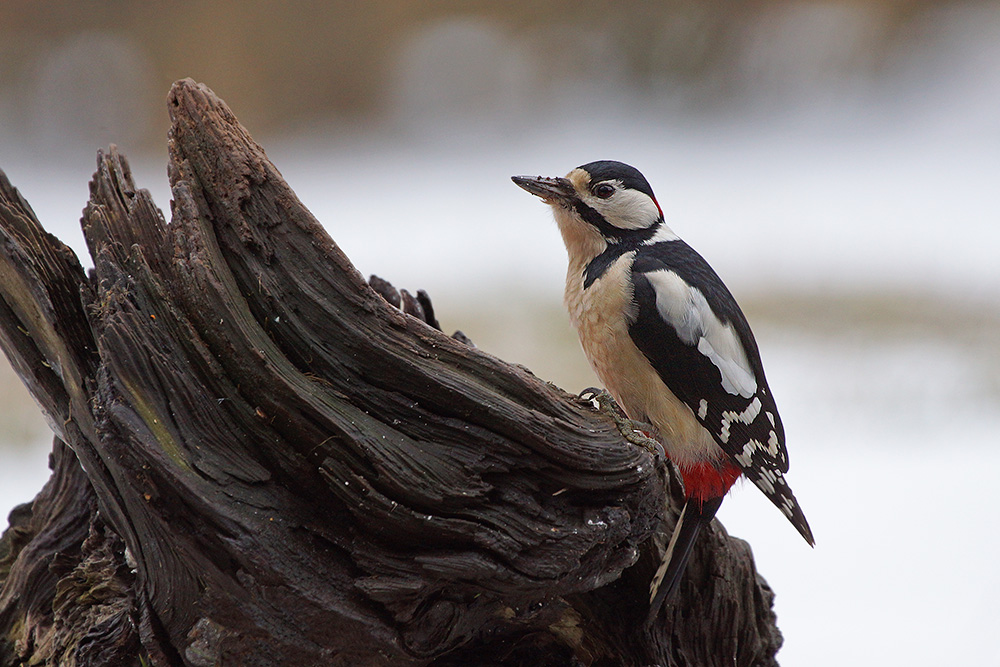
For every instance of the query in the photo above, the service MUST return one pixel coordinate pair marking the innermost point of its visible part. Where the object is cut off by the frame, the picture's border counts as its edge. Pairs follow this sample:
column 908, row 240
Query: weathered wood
column 281, row 467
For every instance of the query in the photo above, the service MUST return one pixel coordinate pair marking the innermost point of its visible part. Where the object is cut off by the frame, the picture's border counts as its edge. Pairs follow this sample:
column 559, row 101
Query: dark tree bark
column 260, row 461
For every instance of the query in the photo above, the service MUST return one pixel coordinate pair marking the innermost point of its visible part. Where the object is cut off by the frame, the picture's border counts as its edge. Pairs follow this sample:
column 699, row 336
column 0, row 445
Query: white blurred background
column 837, row 162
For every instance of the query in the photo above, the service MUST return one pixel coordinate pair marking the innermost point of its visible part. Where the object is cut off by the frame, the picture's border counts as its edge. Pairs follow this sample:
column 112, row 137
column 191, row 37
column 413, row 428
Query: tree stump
column 259, row 460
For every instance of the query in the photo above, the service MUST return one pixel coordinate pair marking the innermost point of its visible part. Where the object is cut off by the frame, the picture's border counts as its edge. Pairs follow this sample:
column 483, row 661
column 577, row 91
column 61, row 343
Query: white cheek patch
column 626, row 209
column 687, row 311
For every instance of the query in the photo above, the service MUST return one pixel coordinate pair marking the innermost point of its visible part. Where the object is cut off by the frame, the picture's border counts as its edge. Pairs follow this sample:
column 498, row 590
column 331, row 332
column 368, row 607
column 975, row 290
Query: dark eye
column 604, row 190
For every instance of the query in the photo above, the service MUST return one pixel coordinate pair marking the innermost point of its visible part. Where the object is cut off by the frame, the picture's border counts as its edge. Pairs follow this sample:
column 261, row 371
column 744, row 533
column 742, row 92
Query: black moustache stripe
column 610, row 232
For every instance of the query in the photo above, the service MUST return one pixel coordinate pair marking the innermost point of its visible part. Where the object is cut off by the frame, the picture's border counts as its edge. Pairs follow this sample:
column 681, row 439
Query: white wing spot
column 786, row 506
column 746, row 456
column 702, row 409
column 748, row 416
column 772, row 444
column 766, row 481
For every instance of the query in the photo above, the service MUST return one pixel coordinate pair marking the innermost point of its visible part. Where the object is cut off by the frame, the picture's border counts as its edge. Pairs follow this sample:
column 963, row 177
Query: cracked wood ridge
column 259, row 460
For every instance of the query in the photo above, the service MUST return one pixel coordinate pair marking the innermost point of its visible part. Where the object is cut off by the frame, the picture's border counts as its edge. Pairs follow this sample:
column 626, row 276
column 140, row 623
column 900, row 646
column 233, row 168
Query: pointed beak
column 552, row 190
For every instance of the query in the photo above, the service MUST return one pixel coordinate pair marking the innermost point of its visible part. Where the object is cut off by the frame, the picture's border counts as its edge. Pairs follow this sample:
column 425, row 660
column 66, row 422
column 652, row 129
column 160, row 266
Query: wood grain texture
column 267, row 463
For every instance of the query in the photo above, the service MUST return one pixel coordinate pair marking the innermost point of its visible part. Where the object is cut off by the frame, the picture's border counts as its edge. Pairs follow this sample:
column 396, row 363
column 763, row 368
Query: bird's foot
column 638, row 433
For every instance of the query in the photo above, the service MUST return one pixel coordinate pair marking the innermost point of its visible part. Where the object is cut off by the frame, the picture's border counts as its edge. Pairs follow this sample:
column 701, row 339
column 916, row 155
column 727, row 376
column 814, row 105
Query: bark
column 260, row 460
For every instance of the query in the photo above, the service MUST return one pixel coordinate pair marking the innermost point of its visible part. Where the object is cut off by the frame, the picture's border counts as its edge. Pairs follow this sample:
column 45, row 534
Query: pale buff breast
column 601, row 315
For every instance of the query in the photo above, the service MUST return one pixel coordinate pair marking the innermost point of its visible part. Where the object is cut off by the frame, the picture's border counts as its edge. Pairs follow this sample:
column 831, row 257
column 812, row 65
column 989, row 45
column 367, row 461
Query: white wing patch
column 728, row 355
column 687, row 311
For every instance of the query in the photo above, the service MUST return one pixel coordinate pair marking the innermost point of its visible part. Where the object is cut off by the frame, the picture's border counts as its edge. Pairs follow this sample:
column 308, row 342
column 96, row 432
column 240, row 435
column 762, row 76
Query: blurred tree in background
column 292, row 66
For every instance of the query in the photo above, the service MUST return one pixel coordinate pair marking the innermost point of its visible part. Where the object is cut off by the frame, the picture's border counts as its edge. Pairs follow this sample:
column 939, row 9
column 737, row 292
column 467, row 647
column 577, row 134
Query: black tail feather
column 694, row 515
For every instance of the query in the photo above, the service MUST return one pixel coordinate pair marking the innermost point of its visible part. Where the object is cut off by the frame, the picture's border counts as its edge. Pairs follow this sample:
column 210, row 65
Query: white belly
column 601, row 315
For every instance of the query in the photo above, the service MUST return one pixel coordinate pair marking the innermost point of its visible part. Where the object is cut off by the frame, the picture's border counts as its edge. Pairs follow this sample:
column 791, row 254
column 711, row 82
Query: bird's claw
column 590, row 395
column 632, row 430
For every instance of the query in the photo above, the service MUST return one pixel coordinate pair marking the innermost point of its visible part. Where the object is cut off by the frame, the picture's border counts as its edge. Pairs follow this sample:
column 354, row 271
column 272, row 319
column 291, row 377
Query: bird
column 672, row 347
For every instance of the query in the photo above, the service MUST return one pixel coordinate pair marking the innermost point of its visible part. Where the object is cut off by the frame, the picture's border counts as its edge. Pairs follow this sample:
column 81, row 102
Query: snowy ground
column 895, row 475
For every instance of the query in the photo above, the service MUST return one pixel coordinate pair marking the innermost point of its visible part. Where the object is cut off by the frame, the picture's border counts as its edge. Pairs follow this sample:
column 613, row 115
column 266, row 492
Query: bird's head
column 598, row 204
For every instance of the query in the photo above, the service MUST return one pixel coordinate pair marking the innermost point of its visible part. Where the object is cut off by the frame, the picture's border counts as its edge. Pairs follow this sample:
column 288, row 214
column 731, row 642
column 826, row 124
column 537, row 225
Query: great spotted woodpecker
column 670, row 344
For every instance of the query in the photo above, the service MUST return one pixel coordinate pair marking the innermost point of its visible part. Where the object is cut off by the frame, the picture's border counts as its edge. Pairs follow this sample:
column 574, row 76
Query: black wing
column 701, row 346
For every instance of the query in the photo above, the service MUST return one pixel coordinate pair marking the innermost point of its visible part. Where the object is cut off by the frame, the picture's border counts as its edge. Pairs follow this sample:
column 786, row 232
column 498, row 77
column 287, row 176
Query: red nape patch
column 658, row 207
column 708, row 480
